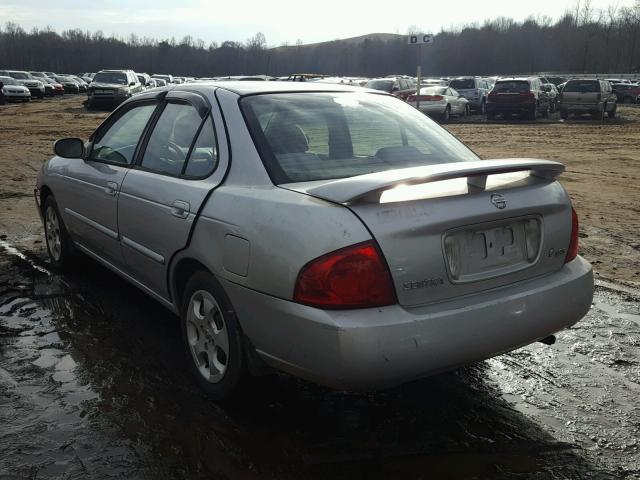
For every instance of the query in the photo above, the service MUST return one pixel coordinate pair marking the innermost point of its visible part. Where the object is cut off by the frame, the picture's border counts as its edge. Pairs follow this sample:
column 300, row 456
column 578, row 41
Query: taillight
column 352, row 277
column 572, row 251
column 493, row 94
column 411, row 98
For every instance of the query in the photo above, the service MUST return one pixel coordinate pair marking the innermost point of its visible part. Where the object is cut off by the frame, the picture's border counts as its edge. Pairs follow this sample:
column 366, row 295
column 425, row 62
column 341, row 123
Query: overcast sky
column 280, row 21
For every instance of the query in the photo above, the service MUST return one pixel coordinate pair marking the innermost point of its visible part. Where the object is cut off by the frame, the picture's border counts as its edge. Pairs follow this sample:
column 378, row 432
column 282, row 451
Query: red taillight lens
column 352, row 277
column 572, row 251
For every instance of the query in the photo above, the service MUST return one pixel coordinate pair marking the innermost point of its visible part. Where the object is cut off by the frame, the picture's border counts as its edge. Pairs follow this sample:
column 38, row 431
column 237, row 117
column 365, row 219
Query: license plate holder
column 490, row 250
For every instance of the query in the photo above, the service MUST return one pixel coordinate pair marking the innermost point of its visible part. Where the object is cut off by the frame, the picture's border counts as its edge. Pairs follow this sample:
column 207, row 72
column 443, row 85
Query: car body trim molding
column 142, row 249
column 101, row 228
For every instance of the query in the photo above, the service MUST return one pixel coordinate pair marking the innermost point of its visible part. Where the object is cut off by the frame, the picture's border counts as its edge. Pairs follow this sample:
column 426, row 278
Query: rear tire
column 212, row 337
column 446, row 115
column 612, row 113
column 533, row 114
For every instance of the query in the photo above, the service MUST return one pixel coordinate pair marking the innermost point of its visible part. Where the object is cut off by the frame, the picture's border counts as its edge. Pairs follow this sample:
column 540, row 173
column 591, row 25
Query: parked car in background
column 160, row 82
column 69, row 84
column 433, row 82
column 35, row 86
column 144, row 80
column 394, row 279
column 166, row 78
column 556, row 80
column 554, row 96
column 626, row 92
column 523, row 96
column 58, row 88
column 398, row 87
column 440, row 102
column 595, row 97
column 13, row 90
column 87, row 77
column 474, row 89
column 112, row 87
column 81, row 83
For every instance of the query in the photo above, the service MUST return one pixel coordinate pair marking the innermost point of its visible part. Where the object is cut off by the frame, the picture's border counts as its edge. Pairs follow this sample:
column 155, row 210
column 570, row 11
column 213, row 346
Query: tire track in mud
column 93, row 385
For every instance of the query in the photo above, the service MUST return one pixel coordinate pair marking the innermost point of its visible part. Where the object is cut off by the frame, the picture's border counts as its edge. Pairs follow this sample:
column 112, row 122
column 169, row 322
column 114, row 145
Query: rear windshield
column 317, row 136
column 8, row 81
column 582, row 86
column 20, row 75
column 512, row 86
column 110, row 77
column 463, row 83
column 384, row 85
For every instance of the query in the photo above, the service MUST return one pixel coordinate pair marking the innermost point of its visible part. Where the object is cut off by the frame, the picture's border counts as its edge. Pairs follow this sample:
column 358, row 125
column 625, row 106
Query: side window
column 204, row 156
column 171, row 139
column 118, row 143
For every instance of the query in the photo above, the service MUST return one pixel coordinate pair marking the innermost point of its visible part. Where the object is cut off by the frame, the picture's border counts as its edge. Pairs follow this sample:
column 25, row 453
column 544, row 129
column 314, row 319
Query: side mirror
column 69, row 148
column 132, row 84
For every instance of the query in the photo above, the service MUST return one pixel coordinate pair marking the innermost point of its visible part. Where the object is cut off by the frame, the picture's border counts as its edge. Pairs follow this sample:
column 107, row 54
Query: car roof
column 243, row 88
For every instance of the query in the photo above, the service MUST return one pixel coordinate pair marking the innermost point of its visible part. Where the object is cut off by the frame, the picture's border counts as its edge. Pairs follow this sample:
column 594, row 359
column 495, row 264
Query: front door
column 89, row 202
column 162, row 194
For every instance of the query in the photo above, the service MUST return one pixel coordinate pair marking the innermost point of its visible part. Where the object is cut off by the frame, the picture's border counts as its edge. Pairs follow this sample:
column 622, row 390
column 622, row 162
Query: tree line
column 583, row 40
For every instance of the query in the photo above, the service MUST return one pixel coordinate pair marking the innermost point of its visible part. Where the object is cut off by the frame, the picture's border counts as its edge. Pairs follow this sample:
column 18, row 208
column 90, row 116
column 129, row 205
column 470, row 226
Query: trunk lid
column 455, row 229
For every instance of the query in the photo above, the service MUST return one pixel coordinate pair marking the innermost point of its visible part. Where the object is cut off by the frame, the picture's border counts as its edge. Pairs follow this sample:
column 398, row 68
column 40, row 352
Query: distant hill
column 344, row 41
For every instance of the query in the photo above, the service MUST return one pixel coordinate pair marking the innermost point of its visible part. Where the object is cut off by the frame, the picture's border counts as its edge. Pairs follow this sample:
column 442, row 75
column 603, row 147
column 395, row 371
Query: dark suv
column 112, row 87
column 523, row 96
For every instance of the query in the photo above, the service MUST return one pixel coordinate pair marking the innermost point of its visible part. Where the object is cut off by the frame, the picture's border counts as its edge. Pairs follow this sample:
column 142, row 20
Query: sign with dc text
column 420, row 39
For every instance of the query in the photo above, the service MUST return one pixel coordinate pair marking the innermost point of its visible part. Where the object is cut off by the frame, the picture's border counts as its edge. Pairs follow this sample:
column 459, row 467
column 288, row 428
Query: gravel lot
column 93, row 383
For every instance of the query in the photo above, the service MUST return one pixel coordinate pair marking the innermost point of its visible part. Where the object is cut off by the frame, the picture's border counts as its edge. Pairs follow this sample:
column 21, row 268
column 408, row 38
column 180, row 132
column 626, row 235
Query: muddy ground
column 93, row 383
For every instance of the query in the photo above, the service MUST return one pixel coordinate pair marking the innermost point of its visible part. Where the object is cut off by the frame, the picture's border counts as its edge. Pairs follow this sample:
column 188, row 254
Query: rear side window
column 582, row 86
column 171, row 139
column 513, row 86
column 316, row 136
column 463, row 83
column 384, row 85
column 204, row 155
column 118, row 143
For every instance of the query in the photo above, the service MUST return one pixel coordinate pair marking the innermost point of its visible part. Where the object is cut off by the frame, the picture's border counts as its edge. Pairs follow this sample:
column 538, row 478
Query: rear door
column 89, row 197
column 162, row 194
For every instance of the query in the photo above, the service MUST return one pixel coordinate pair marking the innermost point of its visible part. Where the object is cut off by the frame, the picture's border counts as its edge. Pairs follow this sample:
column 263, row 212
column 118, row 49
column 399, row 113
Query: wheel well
column 44, row 193
column 181, row 274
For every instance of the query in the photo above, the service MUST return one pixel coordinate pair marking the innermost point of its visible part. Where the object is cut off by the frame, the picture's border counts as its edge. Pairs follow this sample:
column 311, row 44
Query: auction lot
column 93, row 383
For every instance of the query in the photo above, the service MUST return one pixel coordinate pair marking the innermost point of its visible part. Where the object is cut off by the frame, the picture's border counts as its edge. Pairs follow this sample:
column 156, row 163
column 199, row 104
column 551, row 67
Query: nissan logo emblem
column 498, row 201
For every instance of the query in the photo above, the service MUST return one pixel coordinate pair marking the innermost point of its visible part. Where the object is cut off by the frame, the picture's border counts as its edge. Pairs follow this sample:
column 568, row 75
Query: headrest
column 286, row 138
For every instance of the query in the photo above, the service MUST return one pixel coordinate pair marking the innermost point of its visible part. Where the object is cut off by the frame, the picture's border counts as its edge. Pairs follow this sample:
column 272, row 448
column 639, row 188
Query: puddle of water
column 612, row 311
column 11, row 250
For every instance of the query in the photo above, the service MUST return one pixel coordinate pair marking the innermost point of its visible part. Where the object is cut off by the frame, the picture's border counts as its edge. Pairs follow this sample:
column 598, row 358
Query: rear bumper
column 430, row 108
column 516, row 108
column 580, row 107
column 382, row 347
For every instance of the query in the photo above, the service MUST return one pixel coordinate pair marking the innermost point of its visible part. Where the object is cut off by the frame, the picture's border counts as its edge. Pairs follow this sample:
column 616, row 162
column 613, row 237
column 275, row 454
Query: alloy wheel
column 207, row 336
column 52, row 231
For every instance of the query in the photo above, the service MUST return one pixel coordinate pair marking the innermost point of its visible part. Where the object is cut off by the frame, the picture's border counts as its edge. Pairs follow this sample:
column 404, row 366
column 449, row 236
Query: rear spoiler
column 369, row 187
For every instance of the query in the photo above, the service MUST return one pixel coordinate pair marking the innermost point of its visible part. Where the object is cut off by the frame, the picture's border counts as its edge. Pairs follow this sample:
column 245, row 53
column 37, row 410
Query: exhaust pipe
column 550, row 340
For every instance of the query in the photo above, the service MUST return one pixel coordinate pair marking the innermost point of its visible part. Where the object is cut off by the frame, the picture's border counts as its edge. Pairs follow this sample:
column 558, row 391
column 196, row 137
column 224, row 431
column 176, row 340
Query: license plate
column 488, row 251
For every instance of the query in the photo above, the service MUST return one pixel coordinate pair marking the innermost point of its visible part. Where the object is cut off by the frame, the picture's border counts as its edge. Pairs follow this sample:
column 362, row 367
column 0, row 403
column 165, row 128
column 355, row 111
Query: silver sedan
column 327, row 231
column 440, row 102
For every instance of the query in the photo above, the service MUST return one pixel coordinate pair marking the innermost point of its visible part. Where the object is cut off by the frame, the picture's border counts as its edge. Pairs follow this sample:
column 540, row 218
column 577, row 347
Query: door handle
column 111, row 188
column 180, row 209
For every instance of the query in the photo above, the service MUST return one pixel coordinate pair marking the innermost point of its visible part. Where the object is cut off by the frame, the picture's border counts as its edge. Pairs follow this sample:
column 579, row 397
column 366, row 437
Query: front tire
column 59, row 245
column 212, row 337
